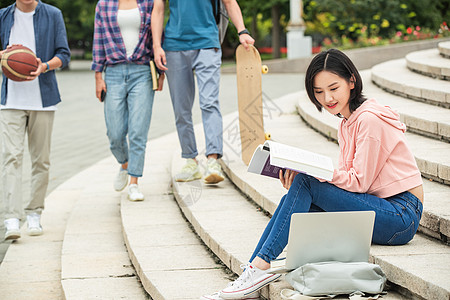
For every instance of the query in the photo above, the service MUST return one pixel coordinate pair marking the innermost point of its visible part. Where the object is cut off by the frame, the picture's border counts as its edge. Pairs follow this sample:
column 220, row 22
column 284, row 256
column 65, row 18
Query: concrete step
column 429, row 63
column 395, row 77
column 422, row 118
column 404, row 265
column 444, row 49
column 428, row 152
column 171, row 261
column 227, row 223
column 31, row 268
column 94, row 260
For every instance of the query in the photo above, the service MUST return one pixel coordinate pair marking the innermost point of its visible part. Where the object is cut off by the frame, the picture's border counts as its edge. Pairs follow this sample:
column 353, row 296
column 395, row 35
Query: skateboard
column 250, row 106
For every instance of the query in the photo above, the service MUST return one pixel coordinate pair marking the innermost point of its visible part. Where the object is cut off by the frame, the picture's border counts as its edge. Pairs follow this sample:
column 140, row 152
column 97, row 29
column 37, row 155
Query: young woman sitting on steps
column 377, row 172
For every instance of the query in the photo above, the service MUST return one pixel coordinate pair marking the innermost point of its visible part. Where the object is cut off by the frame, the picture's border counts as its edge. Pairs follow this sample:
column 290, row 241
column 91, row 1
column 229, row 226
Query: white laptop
column 327, row 236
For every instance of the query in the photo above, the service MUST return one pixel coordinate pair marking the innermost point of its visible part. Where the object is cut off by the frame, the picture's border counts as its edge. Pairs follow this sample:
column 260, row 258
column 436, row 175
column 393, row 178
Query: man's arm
column 62, row 52
column 43, row 67
column 234, row 11
column 157, row 30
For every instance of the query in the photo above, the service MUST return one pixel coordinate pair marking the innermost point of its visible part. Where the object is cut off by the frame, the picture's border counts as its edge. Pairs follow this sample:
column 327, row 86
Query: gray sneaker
column 12, row 229
column 121, row 180
column 189, row 172
column 213, row 172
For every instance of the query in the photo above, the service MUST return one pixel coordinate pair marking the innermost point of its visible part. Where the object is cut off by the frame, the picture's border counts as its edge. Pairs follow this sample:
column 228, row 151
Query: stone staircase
column 444, row 49
column 189, row 239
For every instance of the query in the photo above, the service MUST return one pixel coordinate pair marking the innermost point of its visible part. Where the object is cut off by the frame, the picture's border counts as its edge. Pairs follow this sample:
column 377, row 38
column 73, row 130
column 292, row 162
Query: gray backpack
column 327, row 279
column 221, row 16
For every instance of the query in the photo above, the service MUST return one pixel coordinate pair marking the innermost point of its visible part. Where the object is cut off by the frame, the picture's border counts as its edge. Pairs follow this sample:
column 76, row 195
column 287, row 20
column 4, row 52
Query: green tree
column 274, row 10
column 79, row 19
column 5, row 3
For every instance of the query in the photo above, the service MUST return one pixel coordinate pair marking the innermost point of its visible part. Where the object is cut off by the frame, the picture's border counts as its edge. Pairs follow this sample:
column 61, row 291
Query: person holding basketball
column 122, row 48
column 29, row 107
column 191, row 43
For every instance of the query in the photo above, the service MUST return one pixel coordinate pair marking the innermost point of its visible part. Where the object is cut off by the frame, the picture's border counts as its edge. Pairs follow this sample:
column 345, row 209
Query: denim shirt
column 51, row 41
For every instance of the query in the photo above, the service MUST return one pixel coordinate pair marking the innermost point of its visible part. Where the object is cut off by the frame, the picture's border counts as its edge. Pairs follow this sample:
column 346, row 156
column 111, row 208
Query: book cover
column 270, row 157
column 154, row 75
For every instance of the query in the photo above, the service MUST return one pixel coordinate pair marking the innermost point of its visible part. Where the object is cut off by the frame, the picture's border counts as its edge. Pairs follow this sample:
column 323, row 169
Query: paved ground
column 79, row 135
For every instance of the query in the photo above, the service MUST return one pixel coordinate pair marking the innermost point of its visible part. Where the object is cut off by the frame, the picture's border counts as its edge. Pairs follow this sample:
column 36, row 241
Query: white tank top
column 130, row 24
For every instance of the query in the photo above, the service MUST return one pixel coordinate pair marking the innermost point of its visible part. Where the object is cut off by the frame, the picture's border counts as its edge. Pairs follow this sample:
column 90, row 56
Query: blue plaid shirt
column 108, row 47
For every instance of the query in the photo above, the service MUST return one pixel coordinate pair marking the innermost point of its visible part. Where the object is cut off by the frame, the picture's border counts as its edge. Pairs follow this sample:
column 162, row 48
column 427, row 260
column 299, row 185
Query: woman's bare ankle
column 133, row 180
column 260, row 263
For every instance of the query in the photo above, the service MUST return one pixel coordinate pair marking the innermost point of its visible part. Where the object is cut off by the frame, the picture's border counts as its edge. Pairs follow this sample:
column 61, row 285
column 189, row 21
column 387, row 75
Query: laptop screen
column 329, row 236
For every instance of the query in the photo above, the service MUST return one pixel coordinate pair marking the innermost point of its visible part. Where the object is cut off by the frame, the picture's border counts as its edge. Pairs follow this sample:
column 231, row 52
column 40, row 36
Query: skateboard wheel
column 265, row 69
column 267, row 136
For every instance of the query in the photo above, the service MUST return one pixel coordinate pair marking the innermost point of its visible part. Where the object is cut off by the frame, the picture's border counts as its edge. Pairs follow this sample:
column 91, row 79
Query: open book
column 270, row 157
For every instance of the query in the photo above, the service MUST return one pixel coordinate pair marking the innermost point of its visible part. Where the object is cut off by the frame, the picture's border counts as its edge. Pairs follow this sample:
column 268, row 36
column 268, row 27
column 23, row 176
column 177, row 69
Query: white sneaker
column 121, row 180
column 12, row 229
column 134, row 194
column 216, row 296
column 250, row 281
column 189, row 172
column 213, row 172
column 34, row 224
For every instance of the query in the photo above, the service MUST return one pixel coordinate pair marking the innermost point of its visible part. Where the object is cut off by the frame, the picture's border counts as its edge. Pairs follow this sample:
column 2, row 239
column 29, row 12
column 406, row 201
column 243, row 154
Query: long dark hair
column 336, row 62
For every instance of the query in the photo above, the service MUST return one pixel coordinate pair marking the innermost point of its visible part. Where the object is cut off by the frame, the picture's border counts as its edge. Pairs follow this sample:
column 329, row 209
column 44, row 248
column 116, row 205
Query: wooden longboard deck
column 248, row 72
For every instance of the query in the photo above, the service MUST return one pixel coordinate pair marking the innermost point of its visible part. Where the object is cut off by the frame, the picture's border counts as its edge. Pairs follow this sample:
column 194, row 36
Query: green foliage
column 5, row 3
column 257, row 17
column 381, row 18
column 79, row 19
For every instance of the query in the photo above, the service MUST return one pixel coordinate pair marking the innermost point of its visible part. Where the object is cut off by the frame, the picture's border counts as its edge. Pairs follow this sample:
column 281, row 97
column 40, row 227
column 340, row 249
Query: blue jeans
column 180, row 76
column 396, row 221
column 128, row 111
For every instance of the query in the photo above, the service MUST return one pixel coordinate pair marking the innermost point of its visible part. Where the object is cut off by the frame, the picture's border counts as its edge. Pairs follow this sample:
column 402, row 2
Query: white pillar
column 298, row 45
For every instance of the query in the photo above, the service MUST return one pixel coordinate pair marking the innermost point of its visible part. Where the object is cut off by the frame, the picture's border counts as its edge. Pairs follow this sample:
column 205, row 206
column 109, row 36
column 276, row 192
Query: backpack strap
column 216, row 10
column 362, row 296
column 288, row 294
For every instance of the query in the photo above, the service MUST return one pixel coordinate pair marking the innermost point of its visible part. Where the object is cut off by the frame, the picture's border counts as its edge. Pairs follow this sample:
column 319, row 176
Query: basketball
column 18, row 62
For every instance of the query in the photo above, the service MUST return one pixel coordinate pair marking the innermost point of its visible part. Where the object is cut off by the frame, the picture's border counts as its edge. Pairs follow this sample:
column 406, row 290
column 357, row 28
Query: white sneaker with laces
column 134, row 194
column 213, row 172
column 34, row 224
column 216, row 296
column 12, row 229
column 121, row 180
column 250, row 281
column 189, row 172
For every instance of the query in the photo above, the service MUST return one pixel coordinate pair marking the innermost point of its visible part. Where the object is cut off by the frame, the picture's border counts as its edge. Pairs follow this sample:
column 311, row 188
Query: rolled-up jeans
column 396, row 221
column 128, row 110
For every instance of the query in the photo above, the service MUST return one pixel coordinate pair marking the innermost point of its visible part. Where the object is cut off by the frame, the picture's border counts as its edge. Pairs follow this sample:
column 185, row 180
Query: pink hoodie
column 374, row 157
